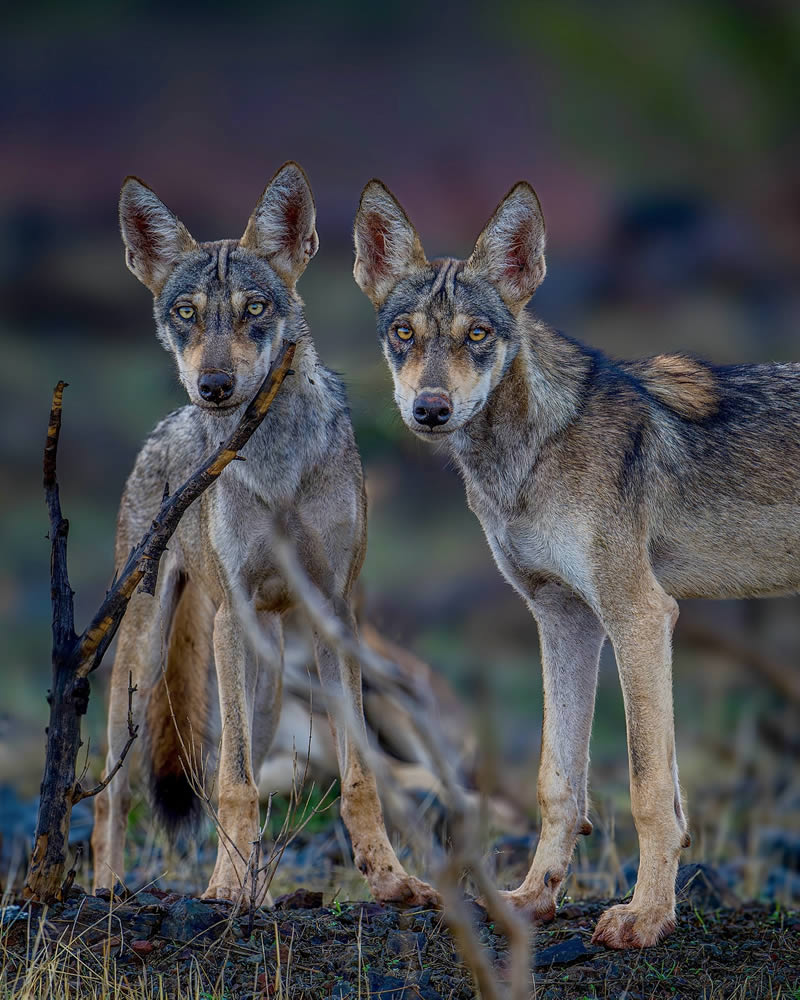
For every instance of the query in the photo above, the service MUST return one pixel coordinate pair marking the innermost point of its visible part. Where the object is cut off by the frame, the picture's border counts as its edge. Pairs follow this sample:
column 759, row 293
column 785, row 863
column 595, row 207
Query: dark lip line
column 219, row 409
column 433, row 433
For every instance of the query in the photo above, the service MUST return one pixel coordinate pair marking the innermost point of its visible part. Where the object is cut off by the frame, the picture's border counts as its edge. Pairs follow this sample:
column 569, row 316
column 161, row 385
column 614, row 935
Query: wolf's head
column 449, row 328
column 221, row 308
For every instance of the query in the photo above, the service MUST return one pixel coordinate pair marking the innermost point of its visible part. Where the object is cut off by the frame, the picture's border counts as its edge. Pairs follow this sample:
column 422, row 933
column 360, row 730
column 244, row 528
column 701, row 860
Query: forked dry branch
column 74, row 656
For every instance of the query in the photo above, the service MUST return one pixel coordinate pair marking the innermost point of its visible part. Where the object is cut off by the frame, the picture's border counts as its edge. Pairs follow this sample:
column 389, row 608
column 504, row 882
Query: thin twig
column 133, row 732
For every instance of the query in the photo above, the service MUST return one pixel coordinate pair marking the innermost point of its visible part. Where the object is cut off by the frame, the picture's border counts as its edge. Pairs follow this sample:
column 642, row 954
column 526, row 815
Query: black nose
column 432, row 408
column 215, row 386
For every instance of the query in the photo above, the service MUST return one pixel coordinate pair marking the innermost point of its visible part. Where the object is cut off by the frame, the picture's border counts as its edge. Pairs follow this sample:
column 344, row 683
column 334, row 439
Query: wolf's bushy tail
column 181, row 713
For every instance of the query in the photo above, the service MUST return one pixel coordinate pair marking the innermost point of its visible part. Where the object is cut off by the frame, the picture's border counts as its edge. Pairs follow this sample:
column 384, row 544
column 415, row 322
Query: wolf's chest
column 528, row 549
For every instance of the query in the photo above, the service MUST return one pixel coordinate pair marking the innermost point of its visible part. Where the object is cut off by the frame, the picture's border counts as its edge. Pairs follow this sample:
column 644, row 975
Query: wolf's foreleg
column 361, row 809
column 571, row 638
column 238, row 793
column 640, row 625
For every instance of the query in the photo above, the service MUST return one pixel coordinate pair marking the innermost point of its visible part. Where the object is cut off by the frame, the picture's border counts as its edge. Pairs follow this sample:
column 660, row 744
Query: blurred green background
column 663, row 143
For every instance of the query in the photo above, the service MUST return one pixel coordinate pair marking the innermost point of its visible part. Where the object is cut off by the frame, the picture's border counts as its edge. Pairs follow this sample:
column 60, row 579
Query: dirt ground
column 160, row 944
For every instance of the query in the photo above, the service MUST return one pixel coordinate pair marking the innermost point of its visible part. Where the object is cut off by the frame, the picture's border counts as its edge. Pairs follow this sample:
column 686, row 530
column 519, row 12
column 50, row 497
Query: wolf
column 206, row 651
column 607, row 491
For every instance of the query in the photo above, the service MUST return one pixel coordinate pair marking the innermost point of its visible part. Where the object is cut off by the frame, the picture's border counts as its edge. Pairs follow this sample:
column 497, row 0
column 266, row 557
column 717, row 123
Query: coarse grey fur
column 223, row 310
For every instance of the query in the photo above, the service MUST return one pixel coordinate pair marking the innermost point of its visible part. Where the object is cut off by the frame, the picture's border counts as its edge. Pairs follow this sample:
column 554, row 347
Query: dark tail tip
column 176, row 807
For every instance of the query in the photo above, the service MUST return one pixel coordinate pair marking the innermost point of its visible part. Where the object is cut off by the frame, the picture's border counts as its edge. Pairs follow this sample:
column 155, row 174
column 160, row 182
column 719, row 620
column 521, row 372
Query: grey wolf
column 607, row 491
column 222, row 310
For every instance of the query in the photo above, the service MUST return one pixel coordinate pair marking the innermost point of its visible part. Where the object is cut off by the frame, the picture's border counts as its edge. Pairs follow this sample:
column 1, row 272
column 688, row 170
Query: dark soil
column 302, row 949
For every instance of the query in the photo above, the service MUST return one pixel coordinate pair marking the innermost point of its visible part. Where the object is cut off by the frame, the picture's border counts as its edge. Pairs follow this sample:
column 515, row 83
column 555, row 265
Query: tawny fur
column 606, row 490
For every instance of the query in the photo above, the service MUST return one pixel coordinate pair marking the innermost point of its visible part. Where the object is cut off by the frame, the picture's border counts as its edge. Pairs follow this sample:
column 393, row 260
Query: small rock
column 189, row 919
column 103, row 943
column 149, row 898
column 780, row 846
column 366, row 911
column 390, row 987
column 563, row 953
column 782, row 884
column 704, row 886
column 142, row 948
column 402, row 944
column 10, row 914
column 141, row 922
column 300, row 899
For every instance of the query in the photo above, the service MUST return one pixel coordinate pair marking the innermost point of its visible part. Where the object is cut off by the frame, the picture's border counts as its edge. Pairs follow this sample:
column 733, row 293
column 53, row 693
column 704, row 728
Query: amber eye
column 477, row 334
column 186, row 312
column 404, row 332
column 255, row 308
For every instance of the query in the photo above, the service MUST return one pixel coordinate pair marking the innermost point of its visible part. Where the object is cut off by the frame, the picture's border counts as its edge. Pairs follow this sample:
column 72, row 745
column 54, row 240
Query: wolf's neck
column 536, row 399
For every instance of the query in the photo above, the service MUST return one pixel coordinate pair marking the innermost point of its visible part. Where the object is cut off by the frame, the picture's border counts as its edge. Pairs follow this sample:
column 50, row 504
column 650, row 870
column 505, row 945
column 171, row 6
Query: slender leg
column 640, row 628
column 374, row 856
column 571, row 638
column 142, row 637
column 238, row 794
column 266, row 712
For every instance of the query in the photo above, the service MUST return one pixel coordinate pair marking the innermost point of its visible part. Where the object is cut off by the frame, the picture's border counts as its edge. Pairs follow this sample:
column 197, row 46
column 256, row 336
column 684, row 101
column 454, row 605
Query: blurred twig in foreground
column 466, row 854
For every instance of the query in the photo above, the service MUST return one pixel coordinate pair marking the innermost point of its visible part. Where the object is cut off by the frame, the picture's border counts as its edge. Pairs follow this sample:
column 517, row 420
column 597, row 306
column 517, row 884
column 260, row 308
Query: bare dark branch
column 75, row 657
column 60, row 591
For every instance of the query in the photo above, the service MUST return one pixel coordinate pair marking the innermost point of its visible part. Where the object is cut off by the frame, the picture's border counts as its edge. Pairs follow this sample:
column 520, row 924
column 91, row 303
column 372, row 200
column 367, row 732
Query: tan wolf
column 606, row 490
column 222, row 310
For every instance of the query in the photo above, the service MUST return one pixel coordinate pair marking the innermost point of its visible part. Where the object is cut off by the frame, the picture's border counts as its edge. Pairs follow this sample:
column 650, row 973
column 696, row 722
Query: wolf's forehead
column 444, row 290
column 220, row 268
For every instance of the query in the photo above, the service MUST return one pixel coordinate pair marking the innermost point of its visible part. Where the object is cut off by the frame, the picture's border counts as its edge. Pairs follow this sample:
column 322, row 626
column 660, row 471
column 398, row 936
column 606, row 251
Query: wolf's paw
column 404, row 889
column 224, row 892
column 538, row 907
column 629, row 926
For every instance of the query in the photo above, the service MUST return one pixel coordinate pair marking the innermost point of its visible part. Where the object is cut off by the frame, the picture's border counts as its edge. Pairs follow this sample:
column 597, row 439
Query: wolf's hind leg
column 140, row 646
column 570, row 637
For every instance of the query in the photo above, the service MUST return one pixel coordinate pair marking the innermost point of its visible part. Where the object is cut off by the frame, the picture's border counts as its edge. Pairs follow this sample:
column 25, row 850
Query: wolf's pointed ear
column 387, row 245
column 282, row 226
column 153, row 236
column 510, row 250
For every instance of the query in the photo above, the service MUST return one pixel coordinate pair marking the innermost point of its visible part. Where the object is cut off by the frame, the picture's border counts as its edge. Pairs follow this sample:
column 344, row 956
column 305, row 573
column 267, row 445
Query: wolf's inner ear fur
column 154, row 238
column 281, row 227
column 510, row 250
column 387, row 245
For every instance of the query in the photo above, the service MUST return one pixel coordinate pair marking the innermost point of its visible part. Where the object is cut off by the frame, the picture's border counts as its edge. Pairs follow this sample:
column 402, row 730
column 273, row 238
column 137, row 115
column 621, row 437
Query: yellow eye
column 404, row 332
column 477, row 334
column 255, row 308
column 186, row 312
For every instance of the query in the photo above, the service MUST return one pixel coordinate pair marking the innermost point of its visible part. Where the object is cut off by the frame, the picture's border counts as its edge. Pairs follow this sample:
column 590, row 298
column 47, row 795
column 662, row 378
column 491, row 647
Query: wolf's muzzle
column 215, row 386
column 432, row 408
